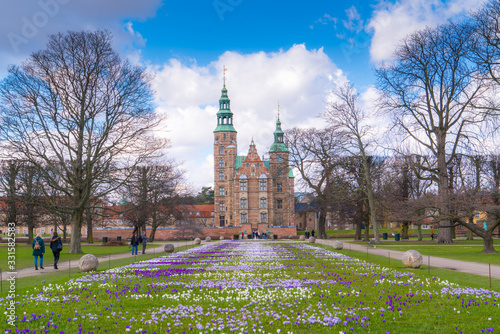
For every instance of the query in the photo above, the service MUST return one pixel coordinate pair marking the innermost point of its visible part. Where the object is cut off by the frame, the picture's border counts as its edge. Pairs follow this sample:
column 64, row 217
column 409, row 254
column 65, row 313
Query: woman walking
column 56, row 246
column 38, row 250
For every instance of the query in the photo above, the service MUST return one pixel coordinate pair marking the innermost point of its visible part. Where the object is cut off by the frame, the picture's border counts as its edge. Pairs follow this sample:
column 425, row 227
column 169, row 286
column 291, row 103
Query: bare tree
column 432, row 94
column 79, row 109
column 344, row 113
column 153, row 190
column 313, row 153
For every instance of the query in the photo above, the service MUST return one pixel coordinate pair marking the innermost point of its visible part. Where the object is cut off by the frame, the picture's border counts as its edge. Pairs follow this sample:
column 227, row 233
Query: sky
column 290, row 54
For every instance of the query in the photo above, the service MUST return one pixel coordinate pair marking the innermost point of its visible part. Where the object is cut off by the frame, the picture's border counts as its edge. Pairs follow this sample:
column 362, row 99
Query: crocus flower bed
column 255, row 288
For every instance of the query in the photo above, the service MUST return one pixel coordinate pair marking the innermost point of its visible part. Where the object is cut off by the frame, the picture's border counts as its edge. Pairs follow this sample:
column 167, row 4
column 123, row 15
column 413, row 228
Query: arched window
column 243, row 203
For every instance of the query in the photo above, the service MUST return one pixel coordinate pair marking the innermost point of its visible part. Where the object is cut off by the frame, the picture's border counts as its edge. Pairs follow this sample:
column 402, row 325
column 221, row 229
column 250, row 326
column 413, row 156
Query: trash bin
column 384, row 236
column 118, row 238
column 396, row 237
column 236, row 236
column 104, row 240
column 249, row 236
column 275, row 236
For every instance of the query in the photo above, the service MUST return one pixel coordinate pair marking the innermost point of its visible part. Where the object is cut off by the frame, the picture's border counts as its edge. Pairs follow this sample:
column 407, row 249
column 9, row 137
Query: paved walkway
column 64, row 267
column 463, row 266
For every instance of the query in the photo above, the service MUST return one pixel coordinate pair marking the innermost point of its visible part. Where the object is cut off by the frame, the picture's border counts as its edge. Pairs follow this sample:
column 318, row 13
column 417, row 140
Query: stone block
column 412, row 259
column 169, row 248
column 208, row 239
column 338, row 245
column 302, row 238
column 88, row 262
column 197, row 241
column 312, row 240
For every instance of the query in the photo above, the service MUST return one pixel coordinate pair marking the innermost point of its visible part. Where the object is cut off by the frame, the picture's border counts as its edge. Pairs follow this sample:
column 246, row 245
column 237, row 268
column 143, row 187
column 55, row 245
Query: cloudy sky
column 291, row 52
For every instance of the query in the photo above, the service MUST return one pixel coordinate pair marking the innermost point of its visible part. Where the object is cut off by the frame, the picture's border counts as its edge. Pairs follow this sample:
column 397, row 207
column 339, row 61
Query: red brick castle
column 249, row 191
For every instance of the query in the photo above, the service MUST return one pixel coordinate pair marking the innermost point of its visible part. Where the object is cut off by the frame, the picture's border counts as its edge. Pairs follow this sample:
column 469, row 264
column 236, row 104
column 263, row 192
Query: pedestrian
column 134, row 242
column 432, row 232
column 313, row 233
column 56, row 246
column 38, row 250
column 144, row 243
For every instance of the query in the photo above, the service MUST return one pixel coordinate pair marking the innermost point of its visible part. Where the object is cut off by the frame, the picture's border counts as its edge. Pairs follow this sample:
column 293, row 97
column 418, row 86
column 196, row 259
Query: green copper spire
column 224, row 115
column 279, row 144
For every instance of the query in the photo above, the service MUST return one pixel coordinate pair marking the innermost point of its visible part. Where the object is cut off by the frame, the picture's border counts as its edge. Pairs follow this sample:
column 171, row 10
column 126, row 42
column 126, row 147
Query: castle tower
column 283, row 180
column 225, row 151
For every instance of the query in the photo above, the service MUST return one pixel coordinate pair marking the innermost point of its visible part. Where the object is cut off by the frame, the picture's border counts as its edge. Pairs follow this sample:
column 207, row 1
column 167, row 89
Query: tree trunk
column 419, row 231
column 153, row 232
column 488, row 244
column 321, row 225
column 30, row 234
column 75, row 245
column 470, row 235
column 444, row 233
column 90, row 233
column 357, row 235
column 404, row 231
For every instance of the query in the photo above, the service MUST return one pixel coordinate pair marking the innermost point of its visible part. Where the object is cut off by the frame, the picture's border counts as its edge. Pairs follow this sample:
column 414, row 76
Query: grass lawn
column 259, row 288
column 24, row 257
column 464, row 279
column 62, row 276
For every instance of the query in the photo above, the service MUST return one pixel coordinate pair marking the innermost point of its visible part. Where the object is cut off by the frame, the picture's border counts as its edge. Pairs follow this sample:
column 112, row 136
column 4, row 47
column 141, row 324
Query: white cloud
column 391, row 22
column 298, row 78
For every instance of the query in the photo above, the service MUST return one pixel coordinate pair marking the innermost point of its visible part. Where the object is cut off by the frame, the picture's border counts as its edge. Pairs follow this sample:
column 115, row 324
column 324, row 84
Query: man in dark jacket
column 56, row 246
column 144, row 241
column 38, row 250
column 134, row 242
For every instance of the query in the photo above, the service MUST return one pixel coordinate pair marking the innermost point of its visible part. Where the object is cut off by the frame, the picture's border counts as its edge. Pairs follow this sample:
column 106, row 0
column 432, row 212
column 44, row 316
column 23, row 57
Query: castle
column 249, row 191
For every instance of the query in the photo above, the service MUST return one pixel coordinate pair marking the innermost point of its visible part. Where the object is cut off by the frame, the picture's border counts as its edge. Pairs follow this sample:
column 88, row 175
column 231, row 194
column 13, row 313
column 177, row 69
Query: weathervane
column 224, row 69
column 278, row 109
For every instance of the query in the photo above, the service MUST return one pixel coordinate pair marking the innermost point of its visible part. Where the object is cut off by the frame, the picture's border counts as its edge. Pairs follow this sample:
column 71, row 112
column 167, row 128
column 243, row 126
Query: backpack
column 37, row 245
column 140, row 240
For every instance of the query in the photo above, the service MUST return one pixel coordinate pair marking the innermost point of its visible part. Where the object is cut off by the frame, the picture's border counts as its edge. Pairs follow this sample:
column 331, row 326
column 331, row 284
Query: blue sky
column 294, row 52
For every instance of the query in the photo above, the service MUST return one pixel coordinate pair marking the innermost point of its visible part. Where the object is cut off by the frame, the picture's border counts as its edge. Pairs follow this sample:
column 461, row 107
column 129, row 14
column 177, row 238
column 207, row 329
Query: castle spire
column 279, row 143
column 224, row 115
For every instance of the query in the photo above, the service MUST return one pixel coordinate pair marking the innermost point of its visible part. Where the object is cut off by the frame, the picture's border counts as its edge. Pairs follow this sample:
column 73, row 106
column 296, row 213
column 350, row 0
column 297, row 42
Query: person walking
column 313, row 233
column 134, row 242
column 432, row 232
column 56, row 246
column 144, row 243
column 38, row 250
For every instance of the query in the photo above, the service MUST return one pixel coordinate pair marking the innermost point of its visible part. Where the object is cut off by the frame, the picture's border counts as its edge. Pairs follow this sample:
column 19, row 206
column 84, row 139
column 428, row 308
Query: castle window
column 224, row 136
column 279, row 187
column 222, row 220
column 243, row 185
column 221, row 149
column 263, row 185
column 263, row 203
column 221, row 175
column 279, row 158
column 221, row 162
column 222, row 191
column 279, row 204
column 279, row 219
column 263, row 217
column 244, row 218
column 243, row 203
column 222, row 207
